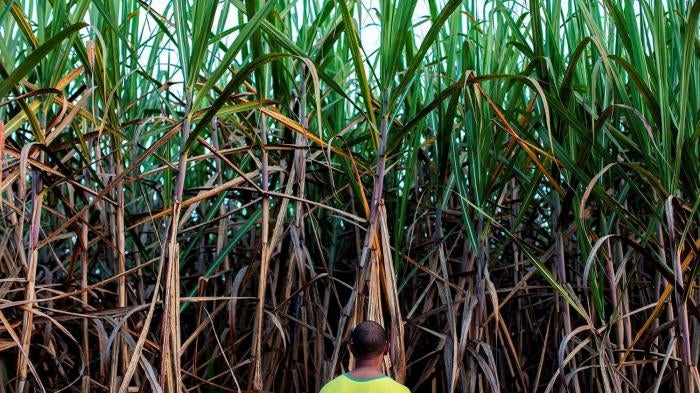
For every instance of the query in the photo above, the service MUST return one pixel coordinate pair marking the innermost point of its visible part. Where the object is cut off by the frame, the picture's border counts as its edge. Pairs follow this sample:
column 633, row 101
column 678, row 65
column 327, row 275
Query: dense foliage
column 208, row 195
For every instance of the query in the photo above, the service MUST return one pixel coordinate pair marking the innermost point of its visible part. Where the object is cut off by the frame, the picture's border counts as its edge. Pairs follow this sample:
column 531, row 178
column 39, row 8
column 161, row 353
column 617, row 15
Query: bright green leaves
column 397, row 18
column 254, row 23
column 411, row 72
column 203, row 14
column 36, row 57
column 182, row 33
column 357, row 61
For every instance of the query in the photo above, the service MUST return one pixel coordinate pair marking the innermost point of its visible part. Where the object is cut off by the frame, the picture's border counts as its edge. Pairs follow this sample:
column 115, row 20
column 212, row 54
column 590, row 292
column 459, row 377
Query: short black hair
column 368, row 339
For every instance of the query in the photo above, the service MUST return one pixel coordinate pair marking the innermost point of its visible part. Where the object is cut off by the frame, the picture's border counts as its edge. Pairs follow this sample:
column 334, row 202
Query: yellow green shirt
column 348, row 384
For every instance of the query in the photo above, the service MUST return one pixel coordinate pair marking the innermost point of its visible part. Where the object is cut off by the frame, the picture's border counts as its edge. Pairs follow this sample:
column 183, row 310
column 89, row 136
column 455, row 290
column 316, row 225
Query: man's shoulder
column 328, row 388
column 393, row 386
column 399, row 387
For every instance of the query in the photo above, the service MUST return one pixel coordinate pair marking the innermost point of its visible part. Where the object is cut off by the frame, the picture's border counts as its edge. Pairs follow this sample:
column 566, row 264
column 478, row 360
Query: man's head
column 368, row 340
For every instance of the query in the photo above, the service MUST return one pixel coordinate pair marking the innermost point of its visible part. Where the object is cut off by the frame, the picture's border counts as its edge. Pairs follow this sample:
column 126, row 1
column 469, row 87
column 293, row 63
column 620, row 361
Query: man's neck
column 367, row 368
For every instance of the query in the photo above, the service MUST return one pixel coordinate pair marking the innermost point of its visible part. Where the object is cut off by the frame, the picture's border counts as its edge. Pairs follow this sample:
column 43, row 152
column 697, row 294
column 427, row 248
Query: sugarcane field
column 340, row 196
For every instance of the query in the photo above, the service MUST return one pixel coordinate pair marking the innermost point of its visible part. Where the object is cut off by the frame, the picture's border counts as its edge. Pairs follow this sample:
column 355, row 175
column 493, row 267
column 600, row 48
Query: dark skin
column 370, row 366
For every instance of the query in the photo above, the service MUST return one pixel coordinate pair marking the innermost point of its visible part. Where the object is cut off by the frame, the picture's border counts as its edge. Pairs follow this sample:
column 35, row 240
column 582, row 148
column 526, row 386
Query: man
column 369, row 344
